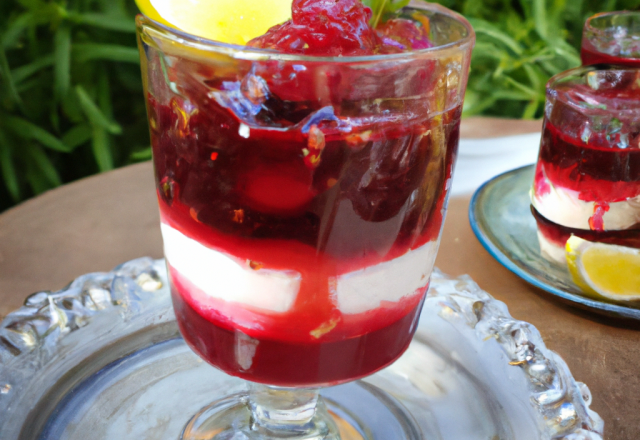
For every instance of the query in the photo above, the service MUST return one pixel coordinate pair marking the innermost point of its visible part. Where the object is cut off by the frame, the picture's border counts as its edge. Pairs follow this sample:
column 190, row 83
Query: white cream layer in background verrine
column 564, row 207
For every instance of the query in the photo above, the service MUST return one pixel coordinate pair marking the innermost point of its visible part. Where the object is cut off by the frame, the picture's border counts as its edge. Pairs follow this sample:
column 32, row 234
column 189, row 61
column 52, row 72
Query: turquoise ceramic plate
column 501, row 219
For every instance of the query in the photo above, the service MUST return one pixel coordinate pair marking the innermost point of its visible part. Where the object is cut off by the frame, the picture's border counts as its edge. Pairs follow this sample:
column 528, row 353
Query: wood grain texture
column 481, row 127
column 99, row 222
column 90, row 225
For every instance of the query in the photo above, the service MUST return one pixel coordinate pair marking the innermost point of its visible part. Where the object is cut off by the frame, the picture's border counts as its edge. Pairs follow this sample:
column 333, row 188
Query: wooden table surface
column 96, row 223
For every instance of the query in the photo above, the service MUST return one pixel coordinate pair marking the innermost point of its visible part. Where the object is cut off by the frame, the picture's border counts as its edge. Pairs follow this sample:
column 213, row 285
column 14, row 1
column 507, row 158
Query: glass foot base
column 349, row 412
column 232, row 418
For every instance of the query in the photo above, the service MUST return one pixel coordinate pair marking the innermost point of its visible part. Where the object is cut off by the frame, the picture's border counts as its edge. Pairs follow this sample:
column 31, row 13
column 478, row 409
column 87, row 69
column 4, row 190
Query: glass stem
column 291, row 413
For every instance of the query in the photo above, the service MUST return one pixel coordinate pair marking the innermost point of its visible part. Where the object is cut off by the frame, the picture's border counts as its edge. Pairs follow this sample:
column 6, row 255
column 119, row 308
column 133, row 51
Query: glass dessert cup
column 612, row 38
column 587, row 178
column 301, row 202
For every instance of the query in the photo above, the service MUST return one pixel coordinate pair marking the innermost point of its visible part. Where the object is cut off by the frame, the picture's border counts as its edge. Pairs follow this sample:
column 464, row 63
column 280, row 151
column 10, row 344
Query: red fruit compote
column 612, row 38
column 302, row 184
column 587, row 179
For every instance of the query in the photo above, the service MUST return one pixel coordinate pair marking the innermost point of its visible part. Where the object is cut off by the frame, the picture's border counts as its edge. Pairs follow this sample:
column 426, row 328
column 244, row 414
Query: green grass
column 71, row 101
column 520, row 45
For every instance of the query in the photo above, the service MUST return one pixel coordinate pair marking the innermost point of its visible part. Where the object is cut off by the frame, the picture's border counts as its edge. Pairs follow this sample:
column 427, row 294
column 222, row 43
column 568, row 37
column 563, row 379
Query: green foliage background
column 71, row 101
column 520, row 45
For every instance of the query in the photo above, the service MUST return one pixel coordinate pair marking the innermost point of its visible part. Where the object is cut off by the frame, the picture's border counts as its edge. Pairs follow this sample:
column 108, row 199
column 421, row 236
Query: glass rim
column 580, row 72
column 250, row 53
column 590, row 28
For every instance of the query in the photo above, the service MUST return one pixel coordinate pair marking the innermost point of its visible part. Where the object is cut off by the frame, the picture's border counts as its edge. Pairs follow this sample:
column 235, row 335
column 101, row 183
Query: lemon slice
column 228, row 21
column 604, row 270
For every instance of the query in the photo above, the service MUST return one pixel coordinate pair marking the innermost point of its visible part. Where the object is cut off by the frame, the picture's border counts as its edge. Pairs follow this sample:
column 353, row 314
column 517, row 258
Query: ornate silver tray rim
column 40, row 344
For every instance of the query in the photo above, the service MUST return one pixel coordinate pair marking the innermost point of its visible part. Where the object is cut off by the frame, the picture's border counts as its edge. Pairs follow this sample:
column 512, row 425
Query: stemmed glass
column 301, row 202
column 612, row 38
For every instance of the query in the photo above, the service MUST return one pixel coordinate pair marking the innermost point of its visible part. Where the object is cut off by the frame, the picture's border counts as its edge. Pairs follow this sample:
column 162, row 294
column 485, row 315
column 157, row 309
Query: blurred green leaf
column 44, row 166
column 24, row 72
column 569, row 53
column 488, row 50
column 540, row 18
column 77, row 136
column 129, row 78
column 26, row 86
column 9, row 174
column 110, row 52
column 94, row 114
column 140, row 155
column 106, row 21
column 7, row 79
column 101, row 148
column 530, row 110
column 495, row 33
column 72, row 109
column 381, row 7
column 62, row 60
column 12, row 33
column 36, row 180
column 104, row 94
column 28, row 130
column 117, row 7
column 527, row 91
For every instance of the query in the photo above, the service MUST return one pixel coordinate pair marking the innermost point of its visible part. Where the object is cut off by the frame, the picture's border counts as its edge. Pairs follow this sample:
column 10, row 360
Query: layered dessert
column 302, row 197
column 612, row 38
column 587, row 179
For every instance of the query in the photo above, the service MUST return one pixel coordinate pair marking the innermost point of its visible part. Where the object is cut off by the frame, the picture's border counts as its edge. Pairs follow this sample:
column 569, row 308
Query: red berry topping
column 341, row 28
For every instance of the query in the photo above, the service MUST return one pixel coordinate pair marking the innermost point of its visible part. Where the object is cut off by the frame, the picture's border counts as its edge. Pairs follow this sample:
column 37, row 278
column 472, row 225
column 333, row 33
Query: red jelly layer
column 325, row 196
column 558, row 234
column 314, row 308
column 599, row 173
column 590, row 55
column 278, row 362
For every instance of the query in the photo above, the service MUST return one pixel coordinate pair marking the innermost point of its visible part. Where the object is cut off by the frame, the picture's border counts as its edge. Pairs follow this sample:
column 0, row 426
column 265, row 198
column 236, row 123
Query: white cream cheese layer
column 564, row 207
column 551, row 251
column 363, row 290
column 227, row 278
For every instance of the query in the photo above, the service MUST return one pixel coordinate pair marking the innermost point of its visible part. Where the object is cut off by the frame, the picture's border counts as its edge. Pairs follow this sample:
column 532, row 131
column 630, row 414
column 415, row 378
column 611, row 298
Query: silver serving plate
column 103, row 359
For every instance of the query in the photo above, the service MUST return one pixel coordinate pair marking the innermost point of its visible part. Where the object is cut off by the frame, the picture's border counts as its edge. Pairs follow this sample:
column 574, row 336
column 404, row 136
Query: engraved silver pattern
column 562, row 403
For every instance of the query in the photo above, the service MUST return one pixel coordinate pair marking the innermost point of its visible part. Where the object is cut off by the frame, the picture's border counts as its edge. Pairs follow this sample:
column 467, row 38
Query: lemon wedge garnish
column 604, row 270
column 228, row 21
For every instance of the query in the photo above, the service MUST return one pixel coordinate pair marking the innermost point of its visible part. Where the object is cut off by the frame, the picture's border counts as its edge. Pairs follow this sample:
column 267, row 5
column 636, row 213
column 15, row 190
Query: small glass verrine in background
column 301, row 200
column 587, row 179
column 612, row 38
